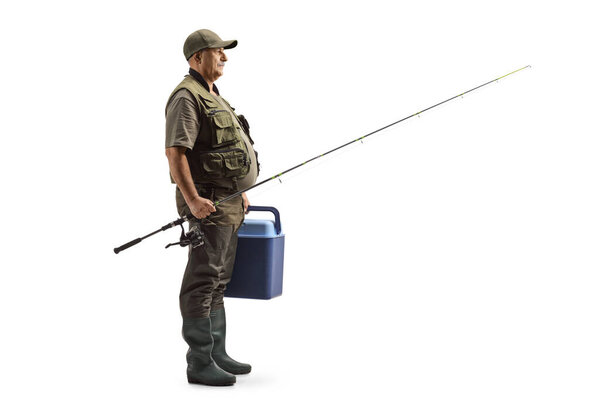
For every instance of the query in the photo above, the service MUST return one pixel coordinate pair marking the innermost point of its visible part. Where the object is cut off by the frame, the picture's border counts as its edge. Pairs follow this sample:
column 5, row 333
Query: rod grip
column 127, row 245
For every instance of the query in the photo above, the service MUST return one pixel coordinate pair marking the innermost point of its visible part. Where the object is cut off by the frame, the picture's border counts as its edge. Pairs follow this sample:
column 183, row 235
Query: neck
column 208, row 84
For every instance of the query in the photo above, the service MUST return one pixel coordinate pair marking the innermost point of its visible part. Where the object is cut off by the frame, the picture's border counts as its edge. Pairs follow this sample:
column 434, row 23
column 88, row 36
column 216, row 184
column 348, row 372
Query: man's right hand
column 201, row 207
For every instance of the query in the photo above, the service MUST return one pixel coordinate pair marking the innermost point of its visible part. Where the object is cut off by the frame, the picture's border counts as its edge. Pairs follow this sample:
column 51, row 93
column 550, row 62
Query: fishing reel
column 194, row 237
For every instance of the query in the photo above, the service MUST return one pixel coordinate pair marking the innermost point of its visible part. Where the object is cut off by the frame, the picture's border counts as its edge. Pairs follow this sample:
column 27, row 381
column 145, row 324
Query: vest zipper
column 247, row 150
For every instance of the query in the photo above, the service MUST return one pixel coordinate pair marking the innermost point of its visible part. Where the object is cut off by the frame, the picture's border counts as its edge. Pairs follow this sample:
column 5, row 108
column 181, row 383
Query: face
column 212, row 62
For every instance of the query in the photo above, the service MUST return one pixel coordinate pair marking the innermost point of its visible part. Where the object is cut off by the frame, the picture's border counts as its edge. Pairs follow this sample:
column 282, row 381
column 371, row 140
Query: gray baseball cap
column 205, row 39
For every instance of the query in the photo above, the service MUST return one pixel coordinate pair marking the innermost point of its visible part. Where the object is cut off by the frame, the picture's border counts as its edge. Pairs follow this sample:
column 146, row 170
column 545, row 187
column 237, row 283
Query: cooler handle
column 270, row 209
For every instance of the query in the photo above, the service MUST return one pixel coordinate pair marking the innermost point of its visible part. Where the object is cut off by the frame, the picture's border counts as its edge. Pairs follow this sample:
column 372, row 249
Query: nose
column 223, row 56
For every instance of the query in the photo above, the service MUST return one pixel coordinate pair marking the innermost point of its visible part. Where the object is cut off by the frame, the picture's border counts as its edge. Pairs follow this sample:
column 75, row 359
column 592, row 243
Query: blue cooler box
column 258, row 268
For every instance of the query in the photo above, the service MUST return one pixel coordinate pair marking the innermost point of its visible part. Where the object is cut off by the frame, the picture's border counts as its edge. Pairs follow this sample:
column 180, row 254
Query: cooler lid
column 258, row 228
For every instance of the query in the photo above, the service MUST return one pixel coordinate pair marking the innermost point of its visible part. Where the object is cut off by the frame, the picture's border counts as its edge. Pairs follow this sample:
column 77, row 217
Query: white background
column 454, row 256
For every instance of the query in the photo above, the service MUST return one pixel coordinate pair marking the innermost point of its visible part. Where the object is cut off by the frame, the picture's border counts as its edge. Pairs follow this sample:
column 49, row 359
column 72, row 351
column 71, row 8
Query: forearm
column 180, row 171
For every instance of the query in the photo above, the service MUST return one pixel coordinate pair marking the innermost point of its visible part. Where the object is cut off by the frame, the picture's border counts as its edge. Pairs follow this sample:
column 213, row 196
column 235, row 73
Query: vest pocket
column 231, row 163
column 225, row 133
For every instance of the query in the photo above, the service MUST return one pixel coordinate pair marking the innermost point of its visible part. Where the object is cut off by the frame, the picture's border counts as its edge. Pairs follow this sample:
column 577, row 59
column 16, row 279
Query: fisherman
column 210, row 156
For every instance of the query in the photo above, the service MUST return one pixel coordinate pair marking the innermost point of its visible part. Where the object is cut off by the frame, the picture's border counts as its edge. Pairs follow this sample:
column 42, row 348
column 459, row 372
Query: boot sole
column 238, row 373
column 195, row 381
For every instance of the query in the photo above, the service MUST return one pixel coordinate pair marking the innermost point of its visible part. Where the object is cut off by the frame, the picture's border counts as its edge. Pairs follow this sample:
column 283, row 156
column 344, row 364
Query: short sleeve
column 183, row 120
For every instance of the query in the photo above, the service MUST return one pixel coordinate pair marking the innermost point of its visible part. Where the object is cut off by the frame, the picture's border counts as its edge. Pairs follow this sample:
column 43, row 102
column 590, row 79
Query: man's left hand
column 246, row 202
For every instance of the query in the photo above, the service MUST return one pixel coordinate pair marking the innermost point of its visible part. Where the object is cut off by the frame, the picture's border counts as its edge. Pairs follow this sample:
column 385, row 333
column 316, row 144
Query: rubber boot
column 201, row 366
column 219, row 354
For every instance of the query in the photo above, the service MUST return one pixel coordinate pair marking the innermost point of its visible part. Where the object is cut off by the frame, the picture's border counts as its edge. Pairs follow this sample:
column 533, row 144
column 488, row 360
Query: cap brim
column 226, row 44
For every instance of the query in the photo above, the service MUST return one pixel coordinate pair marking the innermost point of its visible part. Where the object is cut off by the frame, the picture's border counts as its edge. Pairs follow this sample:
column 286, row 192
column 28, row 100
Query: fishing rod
column 361, row 138
column 195, row 238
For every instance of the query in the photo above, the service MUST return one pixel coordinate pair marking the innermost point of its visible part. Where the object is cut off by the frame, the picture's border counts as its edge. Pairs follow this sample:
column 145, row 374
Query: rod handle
column 127, row 245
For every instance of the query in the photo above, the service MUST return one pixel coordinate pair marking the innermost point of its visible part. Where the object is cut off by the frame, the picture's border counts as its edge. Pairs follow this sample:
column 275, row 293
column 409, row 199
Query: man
column 210, row 157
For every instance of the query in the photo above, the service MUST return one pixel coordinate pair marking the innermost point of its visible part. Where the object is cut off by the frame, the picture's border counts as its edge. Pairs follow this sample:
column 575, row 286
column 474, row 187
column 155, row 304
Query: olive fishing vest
column 219, row 155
